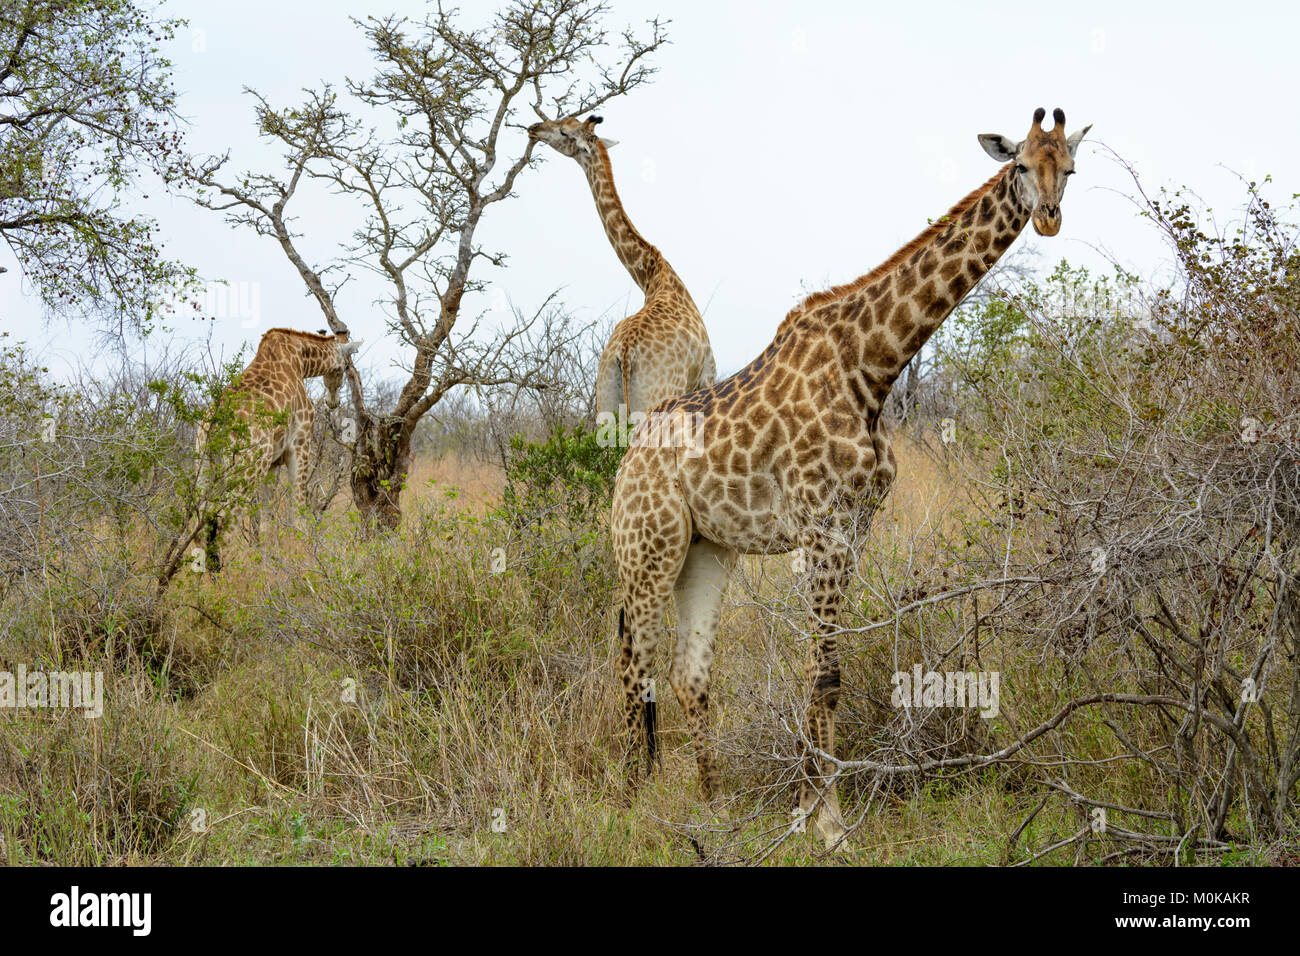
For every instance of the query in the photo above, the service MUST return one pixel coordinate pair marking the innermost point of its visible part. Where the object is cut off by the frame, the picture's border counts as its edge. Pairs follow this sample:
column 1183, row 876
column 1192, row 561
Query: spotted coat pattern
column 272, row 399
column 790, row 454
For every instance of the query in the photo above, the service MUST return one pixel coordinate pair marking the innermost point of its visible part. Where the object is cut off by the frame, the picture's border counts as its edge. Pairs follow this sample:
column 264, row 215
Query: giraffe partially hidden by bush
column 790, row 454
column 663, row 350
column 266, row 421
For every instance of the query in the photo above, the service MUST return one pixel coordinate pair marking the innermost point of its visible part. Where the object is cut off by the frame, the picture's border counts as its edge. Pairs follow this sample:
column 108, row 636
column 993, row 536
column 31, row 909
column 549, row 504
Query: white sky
column 781, row 147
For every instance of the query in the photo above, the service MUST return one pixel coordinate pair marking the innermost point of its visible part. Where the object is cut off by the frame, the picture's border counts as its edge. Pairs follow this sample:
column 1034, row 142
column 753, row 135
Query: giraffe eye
column 1021, row 168
column 1069, row 172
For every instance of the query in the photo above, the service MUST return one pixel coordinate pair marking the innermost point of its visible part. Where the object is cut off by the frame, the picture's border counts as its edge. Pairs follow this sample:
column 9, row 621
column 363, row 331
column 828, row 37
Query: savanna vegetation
column 1097, row 499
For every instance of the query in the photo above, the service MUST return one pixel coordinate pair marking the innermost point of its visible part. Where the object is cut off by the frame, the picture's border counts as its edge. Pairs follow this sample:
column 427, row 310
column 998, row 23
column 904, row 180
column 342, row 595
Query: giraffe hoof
column 833, row 834
column 721, row 812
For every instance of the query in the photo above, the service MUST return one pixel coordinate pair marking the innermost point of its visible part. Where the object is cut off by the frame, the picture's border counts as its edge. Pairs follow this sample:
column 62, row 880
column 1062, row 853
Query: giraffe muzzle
column 1047, row 220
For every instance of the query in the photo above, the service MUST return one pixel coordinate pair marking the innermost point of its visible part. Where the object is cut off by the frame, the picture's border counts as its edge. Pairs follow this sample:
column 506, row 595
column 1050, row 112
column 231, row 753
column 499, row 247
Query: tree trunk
column 380, row 462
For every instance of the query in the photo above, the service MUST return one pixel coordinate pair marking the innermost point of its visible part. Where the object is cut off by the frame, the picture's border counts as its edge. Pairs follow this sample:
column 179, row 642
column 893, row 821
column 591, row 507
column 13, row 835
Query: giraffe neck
column 880, row 321
column 318, row 357
column 305, row 356
column 642, row 260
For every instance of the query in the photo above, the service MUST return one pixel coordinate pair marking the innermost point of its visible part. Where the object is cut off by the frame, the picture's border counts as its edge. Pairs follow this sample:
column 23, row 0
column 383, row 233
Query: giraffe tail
column 625, row 366
column 651, row 733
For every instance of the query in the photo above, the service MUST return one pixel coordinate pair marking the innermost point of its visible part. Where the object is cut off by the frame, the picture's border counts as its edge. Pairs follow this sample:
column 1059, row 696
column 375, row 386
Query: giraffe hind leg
column 647, row 576
column 650, row 709
column 640, row 629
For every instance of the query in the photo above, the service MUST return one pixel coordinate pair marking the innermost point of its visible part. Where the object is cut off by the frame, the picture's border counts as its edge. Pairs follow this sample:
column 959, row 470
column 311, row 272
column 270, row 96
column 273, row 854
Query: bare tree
column 449, row 92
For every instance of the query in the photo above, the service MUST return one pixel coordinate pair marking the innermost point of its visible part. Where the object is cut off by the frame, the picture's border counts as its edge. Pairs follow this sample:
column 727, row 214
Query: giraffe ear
column 608, row 143
column 1072, row 144
column 999, row 147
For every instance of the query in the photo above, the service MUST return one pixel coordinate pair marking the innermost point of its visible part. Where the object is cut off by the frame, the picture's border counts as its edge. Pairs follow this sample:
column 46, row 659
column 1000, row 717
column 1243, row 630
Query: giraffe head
column 333, row 374
column 571, row 136
column 1044, row 160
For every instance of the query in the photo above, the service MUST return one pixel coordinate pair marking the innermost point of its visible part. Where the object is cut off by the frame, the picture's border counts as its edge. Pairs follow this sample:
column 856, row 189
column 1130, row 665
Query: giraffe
column 663, row 350
column 271, row 400
column 790, row 453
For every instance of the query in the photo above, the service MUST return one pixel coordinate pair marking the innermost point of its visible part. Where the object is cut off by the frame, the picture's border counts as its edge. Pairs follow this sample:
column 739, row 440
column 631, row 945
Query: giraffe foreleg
column 297, row 459
column 257, row 493
column 830, row 564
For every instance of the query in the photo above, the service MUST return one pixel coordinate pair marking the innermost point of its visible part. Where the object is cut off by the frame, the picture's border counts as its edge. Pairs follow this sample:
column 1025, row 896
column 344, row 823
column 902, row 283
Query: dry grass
column 478, row 484
column 331, row 699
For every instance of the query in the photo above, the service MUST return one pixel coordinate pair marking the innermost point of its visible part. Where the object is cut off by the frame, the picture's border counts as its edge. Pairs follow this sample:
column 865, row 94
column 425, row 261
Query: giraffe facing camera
column 792, row 456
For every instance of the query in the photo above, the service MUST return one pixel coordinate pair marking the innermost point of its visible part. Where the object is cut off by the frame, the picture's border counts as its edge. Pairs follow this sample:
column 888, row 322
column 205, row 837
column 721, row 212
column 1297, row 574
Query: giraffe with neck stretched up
column 663, row 350
column 790, row 453
column 270, row 400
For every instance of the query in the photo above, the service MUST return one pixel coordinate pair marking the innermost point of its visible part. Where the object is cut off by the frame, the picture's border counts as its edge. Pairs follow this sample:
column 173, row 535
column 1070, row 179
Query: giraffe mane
column 301, row 334
column 897, row 259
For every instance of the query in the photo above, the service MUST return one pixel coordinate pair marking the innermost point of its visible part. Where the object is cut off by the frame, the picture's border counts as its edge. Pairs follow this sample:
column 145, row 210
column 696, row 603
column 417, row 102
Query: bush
column 569, row 477
column 1141, row 447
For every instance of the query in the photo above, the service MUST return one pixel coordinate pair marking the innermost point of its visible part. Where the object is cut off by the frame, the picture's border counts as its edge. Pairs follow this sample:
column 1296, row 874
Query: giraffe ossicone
column 793, row 456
